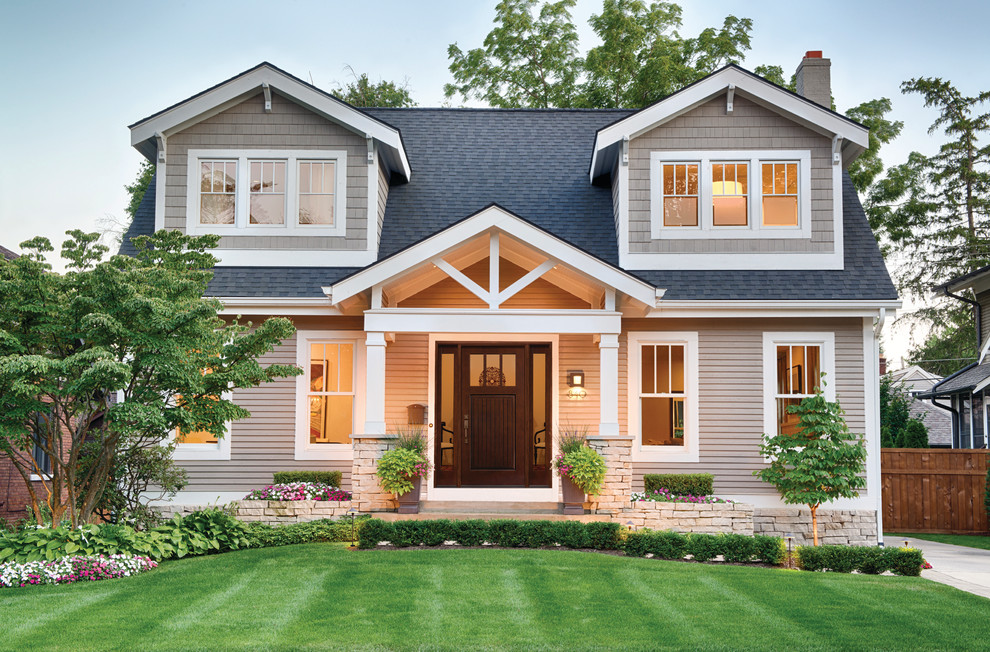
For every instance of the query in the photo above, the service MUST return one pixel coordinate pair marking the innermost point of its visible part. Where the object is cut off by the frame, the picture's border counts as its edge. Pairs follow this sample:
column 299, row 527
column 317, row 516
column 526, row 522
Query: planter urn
column 409, row 501
column 573, row 497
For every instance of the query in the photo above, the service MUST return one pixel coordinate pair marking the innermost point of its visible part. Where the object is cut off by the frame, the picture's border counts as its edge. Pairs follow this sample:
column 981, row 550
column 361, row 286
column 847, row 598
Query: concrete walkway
column 967, row 569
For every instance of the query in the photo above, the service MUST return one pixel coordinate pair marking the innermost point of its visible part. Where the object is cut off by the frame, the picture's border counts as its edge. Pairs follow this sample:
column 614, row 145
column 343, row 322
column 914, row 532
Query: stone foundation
column 616, row 492
column 734, row 518
column 366, row 493
column 835, row 526
column 273, row 512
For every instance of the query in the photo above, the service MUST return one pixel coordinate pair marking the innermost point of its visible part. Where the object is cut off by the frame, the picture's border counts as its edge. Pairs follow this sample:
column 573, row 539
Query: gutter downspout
column 875, row 398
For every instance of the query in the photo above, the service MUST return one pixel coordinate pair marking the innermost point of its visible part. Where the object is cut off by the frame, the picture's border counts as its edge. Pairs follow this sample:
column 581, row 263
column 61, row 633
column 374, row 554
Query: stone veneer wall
column 273, row 512
column 366, row 493
column 735, row 518
column 835, row 526
column 616, row 493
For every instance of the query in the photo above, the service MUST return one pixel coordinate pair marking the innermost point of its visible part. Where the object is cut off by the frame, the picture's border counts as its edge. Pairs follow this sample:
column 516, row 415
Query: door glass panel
column 539, row 427
column 476, row 366
column 447, row 412
column 492, row 370
column 509, row 369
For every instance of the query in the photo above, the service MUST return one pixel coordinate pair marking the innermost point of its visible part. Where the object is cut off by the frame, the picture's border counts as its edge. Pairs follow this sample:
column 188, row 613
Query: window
column 269, row 192
column 716, row 194
column 793, row 367
column 730, row 189
column 780, row 194
column 663, row 395
column 329, row 408
column 680, row 194
column 199, row 444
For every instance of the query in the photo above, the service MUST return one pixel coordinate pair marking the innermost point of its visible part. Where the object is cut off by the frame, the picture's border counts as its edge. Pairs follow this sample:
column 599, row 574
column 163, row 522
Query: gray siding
column 288, row 126
column 383, row 179
column 748, row 127
column 730, row 386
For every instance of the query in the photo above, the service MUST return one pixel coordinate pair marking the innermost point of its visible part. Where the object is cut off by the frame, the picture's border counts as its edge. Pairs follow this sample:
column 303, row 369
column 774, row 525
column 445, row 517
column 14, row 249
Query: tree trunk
column 814, row 523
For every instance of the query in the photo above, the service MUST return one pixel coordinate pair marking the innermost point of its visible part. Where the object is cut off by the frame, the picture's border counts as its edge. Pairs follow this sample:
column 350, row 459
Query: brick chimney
column 814, row 81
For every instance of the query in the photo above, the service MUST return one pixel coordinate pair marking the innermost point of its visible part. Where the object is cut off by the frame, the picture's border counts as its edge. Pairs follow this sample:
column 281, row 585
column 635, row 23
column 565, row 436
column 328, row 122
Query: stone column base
column 366, row 494
column 616, row 493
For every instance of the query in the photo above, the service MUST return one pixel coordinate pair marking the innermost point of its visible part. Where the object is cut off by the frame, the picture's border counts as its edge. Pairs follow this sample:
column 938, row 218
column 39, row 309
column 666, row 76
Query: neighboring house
column 914, row 380
column 670, row 278
column 965, row 395
column 14, row 496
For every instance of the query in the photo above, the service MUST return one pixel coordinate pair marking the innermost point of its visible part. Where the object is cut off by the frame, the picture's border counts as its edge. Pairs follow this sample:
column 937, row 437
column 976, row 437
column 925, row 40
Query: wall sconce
column 575, row 380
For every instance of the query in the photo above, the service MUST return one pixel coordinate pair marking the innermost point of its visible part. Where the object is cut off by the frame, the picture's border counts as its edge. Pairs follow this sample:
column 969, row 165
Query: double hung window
column 329, row 409
column 793, row 368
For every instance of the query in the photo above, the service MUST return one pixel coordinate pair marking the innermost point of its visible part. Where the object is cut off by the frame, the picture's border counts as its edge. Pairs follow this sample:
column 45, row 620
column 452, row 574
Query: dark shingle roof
column 534, row 163
column 7, row 253
column 963, row 380
column 143, row 222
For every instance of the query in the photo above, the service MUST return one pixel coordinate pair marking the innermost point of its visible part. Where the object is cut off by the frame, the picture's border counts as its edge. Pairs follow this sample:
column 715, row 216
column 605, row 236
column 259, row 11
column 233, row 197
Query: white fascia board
column 278, row 306
column 426, row 320
column 236, row 90
column 747, row 86
column 730, row 261
column 668, row 309
column 293, row 257
column 493, row 217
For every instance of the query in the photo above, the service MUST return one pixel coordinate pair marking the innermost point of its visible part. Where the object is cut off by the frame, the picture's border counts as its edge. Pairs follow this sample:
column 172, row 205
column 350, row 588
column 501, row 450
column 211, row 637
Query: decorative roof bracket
column 837, row 149
column 160, row 141
column 268, row 96
column 729, row 98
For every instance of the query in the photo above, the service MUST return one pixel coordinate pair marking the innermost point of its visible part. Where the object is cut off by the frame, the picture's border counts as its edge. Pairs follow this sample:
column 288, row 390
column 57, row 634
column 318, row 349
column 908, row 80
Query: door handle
column 467, row 424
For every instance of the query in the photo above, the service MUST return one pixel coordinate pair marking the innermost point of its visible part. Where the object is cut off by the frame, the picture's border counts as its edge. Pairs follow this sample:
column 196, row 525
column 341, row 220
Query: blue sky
column 76, row 74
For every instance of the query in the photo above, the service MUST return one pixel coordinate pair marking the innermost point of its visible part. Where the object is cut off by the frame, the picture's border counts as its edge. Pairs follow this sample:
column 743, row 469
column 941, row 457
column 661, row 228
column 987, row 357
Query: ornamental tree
column 115, row 355
column 819, row 462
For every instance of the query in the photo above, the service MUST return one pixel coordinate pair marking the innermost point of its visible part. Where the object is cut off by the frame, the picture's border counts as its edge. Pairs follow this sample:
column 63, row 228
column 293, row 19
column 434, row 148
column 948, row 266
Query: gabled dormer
column 732, row 172
column 287, row 174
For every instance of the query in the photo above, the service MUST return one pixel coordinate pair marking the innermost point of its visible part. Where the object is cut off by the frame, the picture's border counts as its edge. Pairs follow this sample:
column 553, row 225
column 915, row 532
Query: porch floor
column 489, row 516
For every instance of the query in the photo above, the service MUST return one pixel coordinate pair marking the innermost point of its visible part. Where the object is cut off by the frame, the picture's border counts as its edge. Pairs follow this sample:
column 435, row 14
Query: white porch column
column 608, row 347
column 374, row 396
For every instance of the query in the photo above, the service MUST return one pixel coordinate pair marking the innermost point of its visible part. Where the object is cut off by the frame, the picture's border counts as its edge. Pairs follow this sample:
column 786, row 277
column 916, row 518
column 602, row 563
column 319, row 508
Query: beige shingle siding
column 288, row 126
column 748, row 127
column 383, row 179
column 730, row 385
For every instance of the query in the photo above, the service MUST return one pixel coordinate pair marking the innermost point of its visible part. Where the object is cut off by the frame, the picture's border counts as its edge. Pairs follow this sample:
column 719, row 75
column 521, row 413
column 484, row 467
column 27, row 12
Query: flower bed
column 299, row 491
column 73, row 569
column 664, row 496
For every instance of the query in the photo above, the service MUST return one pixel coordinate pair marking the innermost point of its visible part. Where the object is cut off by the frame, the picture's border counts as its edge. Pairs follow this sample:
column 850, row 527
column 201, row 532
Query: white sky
column 76, row 74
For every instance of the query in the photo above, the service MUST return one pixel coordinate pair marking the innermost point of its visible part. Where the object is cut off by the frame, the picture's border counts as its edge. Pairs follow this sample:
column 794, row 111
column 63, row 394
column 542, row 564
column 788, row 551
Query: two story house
column 669, row 279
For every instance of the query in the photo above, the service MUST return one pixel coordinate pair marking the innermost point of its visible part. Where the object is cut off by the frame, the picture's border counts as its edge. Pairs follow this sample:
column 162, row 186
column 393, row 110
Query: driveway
column 965, row 568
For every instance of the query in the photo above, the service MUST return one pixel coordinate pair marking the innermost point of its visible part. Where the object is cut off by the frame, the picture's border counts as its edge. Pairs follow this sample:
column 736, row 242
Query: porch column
column 608, row 347
column 374, row 396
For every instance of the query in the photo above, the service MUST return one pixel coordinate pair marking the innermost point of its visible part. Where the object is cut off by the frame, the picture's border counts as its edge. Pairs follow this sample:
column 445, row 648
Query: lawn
column 323, row 596
column 968, row 540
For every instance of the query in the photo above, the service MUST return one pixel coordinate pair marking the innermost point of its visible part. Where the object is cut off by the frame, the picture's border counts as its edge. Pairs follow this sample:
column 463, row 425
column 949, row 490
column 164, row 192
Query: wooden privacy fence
column 930, row 490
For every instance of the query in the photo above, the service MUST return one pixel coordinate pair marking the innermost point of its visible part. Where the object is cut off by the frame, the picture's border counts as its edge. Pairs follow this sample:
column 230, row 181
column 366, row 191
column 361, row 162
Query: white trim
column 732, row 261
column 277, row 306
column 242, row 193
column 871, row 405
column 754, row 227
column 824, row 339
column 692, row 431
column 863, row 502
column 160, row 172
column 34, row 477
column 443, row 320
column 493, row 217
column 243, row 86
column 765, row 308
column 292, row 257
column 753, row 88
column 520, row 494
column 217, row 451
column 303, row 450
column 372, row 230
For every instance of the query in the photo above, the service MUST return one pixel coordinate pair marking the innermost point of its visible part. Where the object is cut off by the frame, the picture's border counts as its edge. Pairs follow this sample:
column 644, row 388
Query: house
column 913, row 380
column 965, row 395
column 670, row 279
column 7, row 254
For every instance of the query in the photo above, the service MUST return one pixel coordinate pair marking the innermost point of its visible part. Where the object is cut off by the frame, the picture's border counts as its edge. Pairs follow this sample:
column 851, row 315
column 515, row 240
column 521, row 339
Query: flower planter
column 573, row 497
column 409, row 501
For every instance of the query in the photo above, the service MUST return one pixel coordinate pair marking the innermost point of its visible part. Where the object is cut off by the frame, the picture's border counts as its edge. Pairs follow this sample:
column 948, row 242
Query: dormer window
column 712, row 194
column 267, row 192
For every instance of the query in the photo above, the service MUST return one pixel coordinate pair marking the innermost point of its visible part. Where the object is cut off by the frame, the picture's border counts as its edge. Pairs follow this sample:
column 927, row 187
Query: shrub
column 769, row 550
column 738, row 548
column 435, row 533
column 538, row 534
column 865, row 559
column 907, row 561
column 663, row 545
column 374, row 532
column 874, row 561
column 571, row 534
column 679, row 484
column 263, row 535
column 407, row 533
column 469, row 533
column 604, row 535
column 505, row 533
column 331, row 478
column 704, row 547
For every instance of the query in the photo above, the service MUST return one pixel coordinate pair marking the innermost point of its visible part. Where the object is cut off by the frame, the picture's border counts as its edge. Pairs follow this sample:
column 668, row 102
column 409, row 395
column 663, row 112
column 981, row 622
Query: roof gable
column 735, row 80
column 7, row 253
column 144, row 133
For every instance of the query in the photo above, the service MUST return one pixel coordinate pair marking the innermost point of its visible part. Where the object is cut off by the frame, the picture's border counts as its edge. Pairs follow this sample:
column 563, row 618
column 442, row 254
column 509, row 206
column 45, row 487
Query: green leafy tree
column 526, row 61
column 137, row 330
column 643, row 57
column 951, row 343
column 363, row 92
column 873, row 115
column 820, row 462
column 136, row 190
column 898, row 429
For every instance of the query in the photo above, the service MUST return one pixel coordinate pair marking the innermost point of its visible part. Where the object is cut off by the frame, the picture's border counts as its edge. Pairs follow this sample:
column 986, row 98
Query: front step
column 489, row 516
column 475, row 507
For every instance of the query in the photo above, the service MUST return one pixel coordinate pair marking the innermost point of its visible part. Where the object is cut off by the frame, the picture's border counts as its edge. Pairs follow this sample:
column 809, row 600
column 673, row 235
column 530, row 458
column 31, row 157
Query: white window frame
column 634, row 350
column 754, row 227
column 217, row 451
column 242, row 197
column 304, row 450
column 659, row 200
column 824, row 339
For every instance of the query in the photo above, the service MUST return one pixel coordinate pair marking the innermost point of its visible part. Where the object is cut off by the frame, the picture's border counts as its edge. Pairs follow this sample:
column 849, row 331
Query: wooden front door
column 493, row 415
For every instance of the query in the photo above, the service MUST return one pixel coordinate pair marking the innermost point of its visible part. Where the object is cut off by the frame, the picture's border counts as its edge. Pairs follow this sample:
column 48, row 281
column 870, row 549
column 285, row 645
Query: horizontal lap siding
column 406, row 376
column 579, row 353
column 288, row 126
column 730, row 386
column 748, row 127
column 382, row 195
